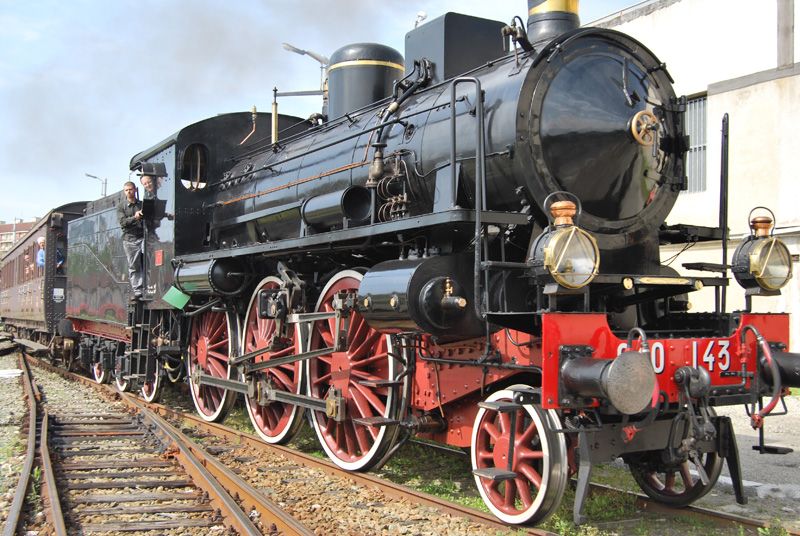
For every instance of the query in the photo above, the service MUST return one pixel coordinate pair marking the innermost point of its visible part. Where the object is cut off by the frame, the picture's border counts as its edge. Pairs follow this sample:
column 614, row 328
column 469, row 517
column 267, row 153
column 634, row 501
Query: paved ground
column 772, row 481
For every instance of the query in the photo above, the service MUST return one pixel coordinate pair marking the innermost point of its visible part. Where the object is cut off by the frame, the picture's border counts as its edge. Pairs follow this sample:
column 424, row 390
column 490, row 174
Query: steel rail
column 721, row 518
column 19, row 496
column 53, row 513
column 644, row 502
column 397, row 491
column 202, row 477
column 215, row 475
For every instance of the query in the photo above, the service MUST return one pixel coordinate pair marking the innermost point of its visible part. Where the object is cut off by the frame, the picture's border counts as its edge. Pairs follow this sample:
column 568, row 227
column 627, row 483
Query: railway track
column 699, row 515
column 126, row 470
column 321, row 484
column 317, row 492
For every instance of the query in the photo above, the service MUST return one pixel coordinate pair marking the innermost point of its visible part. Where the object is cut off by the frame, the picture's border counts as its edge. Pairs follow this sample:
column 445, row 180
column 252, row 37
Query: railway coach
column 33, row 287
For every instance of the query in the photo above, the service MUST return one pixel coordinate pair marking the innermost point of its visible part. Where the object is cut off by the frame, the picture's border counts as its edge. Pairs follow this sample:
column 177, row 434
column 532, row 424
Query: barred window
column 696, row 157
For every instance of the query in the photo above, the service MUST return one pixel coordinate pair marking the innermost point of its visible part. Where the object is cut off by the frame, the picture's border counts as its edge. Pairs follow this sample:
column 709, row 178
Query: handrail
column 480, row 176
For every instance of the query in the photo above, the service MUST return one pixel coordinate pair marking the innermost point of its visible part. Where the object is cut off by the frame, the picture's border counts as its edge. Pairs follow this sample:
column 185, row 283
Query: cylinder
column 361, row 74
column 215, row 277
column 432, row 295
column 330, row 211
column 627, row 381
column 550, row 18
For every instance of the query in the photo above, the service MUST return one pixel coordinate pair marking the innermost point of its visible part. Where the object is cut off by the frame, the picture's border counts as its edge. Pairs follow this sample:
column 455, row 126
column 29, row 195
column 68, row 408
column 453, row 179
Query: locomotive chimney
column 550, row 18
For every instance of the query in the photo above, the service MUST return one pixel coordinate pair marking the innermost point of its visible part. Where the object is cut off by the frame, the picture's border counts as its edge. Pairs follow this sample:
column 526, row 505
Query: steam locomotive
column 463, row 247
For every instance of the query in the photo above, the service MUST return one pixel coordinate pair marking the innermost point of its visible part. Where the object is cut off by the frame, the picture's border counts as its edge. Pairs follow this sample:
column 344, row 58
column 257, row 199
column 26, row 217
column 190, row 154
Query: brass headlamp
column 564, row 254
column 762, row 262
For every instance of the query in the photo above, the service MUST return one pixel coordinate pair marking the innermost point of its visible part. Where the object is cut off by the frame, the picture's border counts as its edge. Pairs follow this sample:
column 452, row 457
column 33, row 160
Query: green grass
column 614, row 477
column 307, row 443
column 436, row 473
column 34, row 496
column 599, row 508
column 13, row 448
column 775, row 530
column 238, row 419
column 695, row 523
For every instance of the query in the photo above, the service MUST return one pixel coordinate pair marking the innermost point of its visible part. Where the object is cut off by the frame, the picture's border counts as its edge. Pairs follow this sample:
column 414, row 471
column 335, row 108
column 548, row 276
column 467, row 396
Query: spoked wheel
column 364, row 375
column 539, row 461
column 212, row 337
column 100, row 374
column 151, row 391
column 674, row 485
column 275, row 422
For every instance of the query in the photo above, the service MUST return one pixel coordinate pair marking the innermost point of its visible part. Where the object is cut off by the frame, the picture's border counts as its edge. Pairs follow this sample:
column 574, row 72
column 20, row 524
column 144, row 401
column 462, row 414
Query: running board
column 376, row 422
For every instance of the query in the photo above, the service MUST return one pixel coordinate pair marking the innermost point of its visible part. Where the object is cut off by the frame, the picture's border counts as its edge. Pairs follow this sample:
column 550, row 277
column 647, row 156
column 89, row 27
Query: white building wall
column 705, row 41
column 763, row 160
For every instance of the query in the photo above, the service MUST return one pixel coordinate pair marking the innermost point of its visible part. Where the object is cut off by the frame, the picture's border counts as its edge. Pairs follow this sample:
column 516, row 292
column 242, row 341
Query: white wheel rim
column 379, row 446
column 296, row 415
column 553, row 453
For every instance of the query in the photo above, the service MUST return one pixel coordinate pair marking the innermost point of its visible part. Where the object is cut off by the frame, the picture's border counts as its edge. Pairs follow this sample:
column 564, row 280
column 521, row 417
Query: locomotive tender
column 464, row 248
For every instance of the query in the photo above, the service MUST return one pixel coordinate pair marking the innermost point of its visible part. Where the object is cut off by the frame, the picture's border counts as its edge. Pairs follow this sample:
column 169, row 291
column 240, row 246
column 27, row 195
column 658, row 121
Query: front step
column 495, row 474
column 380, row 383
column 376, row 422
column 500, row 406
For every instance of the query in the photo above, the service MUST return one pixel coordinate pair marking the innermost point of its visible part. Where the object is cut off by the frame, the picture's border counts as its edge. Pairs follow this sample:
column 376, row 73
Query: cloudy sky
column 86, row 84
